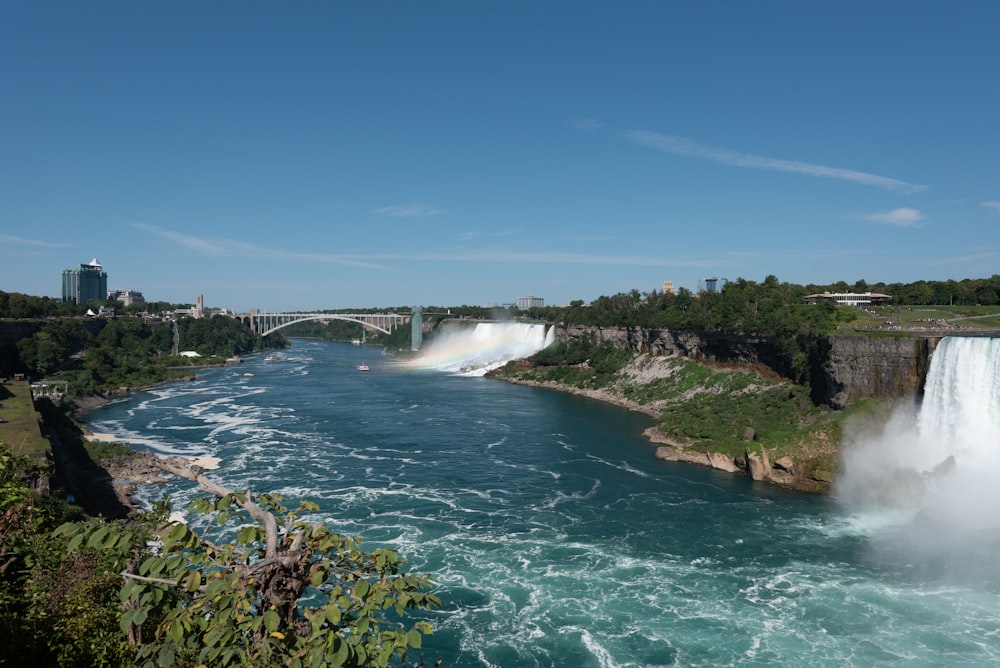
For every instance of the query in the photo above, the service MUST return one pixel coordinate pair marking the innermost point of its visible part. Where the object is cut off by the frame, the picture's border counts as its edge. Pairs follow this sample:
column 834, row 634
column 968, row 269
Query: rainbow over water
column 473, row 351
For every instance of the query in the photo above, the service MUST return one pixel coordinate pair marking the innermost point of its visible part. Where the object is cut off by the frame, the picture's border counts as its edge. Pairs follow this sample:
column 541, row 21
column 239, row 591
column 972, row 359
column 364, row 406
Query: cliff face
column 843, row 368
column 861, row 367
column 697, row 345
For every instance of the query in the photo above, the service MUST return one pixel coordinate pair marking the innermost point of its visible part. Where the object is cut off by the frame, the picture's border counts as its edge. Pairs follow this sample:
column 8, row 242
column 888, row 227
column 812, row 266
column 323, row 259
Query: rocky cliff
column 881, row 367
column 729, row 348
column 843, row 368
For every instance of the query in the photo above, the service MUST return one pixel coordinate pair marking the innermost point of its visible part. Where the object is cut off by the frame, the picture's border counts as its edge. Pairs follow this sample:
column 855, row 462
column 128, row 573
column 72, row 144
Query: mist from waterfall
column 932, row 475
column 474, row 351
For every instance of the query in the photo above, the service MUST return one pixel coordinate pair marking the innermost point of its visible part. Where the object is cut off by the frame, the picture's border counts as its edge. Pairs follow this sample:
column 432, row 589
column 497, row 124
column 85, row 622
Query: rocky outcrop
column 755, row 463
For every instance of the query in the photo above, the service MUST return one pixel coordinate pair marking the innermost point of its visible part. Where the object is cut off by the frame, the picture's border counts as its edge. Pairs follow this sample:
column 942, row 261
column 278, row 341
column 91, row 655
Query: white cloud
column 588, row 124
column 21, row 241
column 408, row 210
column 992, row 205
column 903, row 217
column 686, row 147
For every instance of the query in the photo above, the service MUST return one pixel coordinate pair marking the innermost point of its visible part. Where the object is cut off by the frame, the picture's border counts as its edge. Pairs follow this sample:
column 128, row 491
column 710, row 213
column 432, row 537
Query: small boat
column 272, row 358
column 362, row 367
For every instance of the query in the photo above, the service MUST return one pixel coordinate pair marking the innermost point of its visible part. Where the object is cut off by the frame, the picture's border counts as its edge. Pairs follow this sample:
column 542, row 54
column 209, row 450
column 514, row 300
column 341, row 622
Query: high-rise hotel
column 88, row 283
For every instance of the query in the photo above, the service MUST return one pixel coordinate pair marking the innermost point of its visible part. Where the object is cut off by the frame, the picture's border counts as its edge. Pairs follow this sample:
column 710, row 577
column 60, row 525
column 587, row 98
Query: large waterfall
column 960, row 415
column 936, row 469
column 473, row 351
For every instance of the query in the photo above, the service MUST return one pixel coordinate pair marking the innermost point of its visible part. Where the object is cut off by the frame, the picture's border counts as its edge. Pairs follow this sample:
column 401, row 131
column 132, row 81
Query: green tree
column 298, row 595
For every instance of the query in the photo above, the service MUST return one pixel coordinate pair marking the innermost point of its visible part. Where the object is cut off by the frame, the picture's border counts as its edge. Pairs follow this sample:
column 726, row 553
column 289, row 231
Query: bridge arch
column 324, row 316
column 268, row 323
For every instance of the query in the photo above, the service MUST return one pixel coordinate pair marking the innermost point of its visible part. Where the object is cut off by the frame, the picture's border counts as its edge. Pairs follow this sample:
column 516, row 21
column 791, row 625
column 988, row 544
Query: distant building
column 524, row 303
column 668, row 288
column 127, row 297
column 88, row 283
column 851, row 298
column 711, row 284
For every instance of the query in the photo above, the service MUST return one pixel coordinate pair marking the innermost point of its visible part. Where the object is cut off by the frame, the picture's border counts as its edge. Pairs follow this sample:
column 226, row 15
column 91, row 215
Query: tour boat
column 362, row 367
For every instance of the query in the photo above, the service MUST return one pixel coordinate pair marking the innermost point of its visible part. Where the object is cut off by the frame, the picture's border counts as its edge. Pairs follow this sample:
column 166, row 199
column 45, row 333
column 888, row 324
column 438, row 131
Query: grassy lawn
column 965, row 318
column 19, row 429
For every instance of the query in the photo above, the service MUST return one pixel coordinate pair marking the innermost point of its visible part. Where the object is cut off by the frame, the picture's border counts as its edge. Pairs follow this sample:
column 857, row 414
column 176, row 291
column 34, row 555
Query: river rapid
column 554, row 535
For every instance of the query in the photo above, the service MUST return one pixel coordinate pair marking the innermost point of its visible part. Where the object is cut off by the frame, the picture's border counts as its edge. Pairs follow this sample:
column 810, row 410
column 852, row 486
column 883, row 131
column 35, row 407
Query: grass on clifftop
column 19, row 428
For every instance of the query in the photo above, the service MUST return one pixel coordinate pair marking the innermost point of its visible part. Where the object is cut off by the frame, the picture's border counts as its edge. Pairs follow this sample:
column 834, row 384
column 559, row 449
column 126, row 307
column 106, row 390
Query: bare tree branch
column 187, row 470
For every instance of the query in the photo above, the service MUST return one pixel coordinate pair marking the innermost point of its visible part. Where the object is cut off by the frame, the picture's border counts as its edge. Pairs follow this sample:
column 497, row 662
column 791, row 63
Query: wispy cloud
column 903, row 217
column 197, row 244
column 688, row 148
column 408, row 210
column 542, row 257
column 236, row 248
column 587, row 124
column 995, row 206
column 37, row 243
column 219, row 247
column 965, row 259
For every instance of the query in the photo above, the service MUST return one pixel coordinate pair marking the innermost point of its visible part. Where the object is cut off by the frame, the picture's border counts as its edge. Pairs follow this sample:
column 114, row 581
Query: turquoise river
column 554, row 535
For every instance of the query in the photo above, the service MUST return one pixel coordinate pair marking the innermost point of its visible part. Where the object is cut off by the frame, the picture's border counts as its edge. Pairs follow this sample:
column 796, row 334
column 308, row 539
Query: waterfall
column 939, row 464
column 960, row 414
column 473, row 351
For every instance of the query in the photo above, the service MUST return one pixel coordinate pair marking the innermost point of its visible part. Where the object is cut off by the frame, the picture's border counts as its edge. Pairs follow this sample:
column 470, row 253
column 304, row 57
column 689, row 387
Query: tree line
column 771, row 307
column 16, row 305
column 128, row 351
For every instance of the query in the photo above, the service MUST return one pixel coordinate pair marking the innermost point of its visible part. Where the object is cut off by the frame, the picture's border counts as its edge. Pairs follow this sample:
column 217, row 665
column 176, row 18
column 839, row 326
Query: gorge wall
column 860, row 367
column 842, row 368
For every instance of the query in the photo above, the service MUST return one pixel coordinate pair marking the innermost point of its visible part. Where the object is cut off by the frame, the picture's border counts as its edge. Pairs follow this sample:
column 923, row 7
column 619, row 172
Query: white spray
column 474, row 351
column 936, row 470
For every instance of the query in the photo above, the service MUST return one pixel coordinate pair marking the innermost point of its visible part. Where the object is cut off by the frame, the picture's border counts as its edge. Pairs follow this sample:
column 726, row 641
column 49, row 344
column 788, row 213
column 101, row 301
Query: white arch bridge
column 267, row 323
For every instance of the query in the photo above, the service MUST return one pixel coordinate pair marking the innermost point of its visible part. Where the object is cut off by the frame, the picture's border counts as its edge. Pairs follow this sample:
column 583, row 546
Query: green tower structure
column 416, row 328
column 86, row 284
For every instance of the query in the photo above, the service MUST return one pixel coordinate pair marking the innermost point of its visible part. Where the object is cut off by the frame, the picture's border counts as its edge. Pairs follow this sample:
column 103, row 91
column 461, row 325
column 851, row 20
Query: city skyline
column 337, row 156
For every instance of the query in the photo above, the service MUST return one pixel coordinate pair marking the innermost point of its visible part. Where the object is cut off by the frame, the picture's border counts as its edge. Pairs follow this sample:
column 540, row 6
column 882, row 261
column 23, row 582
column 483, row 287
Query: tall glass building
column 88, row 283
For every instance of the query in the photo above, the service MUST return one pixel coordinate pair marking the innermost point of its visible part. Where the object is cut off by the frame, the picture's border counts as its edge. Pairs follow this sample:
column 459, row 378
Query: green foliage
column 584, row 354
column 52, row 345
column 129, row 352
column 717, row 420
column 18, row 305
column 222, row 336
column 62, row 610
column 316, row 599
column 301, row 596
column 104, row 451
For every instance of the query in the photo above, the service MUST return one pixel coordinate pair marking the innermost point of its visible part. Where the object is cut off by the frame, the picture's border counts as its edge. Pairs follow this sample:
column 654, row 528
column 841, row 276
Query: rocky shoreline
column 783, row 471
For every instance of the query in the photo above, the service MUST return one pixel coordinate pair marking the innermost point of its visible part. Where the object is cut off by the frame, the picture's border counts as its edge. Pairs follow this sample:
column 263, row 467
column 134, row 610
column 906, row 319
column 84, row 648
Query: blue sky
column 311, row 155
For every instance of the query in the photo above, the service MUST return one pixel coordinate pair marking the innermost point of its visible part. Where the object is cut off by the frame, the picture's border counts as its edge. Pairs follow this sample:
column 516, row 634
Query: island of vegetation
column 743, row 380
